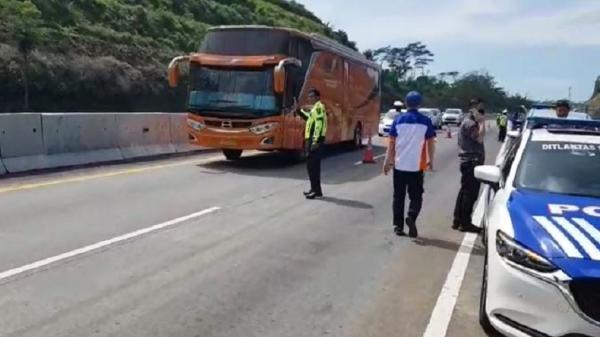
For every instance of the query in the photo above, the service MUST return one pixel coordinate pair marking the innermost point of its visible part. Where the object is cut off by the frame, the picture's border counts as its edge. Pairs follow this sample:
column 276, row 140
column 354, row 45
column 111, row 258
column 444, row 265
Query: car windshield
column 561, row 167
column 242, row 92
column 452, row 112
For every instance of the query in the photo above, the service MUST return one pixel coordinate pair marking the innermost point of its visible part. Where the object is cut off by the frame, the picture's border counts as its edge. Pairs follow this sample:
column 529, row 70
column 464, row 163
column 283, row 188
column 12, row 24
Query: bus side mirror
column 279, row 80
column 279, row 74
column 174, row 72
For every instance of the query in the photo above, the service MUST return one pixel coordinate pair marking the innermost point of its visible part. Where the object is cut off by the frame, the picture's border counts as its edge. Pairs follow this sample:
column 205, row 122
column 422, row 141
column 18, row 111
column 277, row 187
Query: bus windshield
column 232, row 92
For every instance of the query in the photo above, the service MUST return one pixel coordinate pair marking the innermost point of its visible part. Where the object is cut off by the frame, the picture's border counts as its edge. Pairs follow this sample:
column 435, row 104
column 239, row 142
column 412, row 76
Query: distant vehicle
column 434, row 114
column 245, row 80
column 452, row 116
column 386, row 121
column 542, row 232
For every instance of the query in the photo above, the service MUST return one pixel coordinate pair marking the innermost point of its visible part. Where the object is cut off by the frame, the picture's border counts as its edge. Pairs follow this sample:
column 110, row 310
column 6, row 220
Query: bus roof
column 318, row 41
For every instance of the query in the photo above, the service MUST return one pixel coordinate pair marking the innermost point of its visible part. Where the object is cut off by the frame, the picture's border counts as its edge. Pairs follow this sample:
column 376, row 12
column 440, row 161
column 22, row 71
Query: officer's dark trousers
column 313, row 166
column 501, row 134
column 468, row 194
column 411, row 182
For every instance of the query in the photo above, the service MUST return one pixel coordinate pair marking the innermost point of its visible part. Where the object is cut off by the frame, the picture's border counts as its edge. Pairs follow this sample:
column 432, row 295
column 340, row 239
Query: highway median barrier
column 144, row 135
column 21, row 142
column 35, row 141
column 180, row 134
column 79, row 139
column 2, row 168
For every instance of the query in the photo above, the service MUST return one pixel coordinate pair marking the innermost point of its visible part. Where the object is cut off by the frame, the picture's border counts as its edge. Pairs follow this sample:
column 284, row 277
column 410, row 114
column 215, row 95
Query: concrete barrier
column 32, row 141
column 21, row 142
column 78, row 139
column 180, row 135
column 2, row 168
column 144, row 135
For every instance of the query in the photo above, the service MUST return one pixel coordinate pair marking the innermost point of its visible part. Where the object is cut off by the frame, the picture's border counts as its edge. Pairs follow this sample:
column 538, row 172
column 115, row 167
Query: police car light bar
column 560, row 123
column 540, row 106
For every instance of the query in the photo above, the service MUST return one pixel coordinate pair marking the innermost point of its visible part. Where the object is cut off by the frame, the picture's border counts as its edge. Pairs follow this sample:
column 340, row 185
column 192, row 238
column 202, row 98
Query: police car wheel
column 484, row 320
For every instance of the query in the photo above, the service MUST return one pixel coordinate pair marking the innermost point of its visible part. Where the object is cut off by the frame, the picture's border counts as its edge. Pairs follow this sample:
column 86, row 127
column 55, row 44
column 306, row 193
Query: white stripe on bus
column 565, row 244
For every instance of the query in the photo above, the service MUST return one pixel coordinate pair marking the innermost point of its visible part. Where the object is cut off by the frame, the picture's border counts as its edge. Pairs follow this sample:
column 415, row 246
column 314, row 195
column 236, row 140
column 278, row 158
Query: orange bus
column 245, row 81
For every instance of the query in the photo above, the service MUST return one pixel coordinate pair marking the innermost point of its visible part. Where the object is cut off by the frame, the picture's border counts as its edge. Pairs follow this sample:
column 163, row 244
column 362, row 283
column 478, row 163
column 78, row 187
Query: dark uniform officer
column 314, row 136
column 472, row 153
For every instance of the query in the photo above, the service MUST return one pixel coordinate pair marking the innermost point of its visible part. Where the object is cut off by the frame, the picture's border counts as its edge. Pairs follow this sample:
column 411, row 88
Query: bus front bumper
column 235, row 140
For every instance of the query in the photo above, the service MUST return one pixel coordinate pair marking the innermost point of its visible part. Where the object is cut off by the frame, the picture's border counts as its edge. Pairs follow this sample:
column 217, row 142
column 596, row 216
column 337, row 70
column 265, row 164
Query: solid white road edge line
column 102, row 244
column 444, row 307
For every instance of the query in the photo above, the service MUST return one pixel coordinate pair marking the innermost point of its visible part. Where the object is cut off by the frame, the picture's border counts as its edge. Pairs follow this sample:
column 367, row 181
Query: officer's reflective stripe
column 589, row 228
column 583, row 241
column 565, row 244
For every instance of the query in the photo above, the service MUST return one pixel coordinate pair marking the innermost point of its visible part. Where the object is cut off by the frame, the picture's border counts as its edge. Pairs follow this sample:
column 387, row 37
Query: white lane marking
column 444, row 307
column 591, row 230
column 565, row 244
column 358, row 163
column 587, row 245
column 102, row 244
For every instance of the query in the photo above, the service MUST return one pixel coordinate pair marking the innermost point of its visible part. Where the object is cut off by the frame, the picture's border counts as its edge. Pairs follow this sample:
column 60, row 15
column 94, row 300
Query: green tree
column 24, row 26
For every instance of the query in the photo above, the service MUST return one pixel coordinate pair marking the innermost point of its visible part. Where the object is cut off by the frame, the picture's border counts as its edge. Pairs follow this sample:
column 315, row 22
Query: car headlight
column 194, row 124
column 263, row 128
column 513, row 251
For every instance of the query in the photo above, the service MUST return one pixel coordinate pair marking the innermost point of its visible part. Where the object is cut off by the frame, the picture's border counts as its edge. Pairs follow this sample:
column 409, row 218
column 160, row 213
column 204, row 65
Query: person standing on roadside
column 410, row 152
column 502, row 121
column 563, row 108
column 314, row 137
column 471, row 138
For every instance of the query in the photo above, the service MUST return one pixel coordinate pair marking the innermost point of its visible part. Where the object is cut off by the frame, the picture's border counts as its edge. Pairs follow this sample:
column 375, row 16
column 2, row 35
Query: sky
column 538, row 48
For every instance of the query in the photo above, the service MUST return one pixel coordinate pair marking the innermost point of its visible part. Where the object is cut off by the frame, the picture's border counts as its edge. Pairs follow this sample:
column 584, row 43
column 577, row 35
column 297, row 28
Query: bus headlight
column 263, row 128
column 194, row 124
column 511, row 250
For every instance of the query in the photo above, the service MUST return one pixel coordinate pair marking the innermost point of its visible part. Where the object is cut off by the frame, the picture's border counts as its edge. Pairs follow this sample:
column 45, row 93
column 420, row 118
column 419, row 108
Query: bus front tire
column 232, row 154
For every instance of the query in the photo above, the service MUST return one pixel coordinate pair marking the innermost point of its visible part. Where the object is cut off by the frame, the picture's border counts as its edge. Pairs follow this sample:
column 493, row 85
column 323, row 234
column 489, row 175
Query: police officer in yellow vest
column 314, row 137
column 501, row 122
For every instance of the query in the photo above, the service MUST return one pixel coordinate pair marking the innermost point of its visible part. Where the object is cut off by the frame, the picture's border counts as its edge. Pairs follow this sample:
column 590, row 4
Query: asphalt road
column 198, row 246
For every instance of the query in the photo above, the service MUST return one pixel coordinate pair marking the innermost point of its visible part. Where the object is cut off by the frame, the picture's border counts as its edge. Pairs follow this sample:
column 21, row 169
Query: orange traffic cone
column 368, row 157
column 449, row 133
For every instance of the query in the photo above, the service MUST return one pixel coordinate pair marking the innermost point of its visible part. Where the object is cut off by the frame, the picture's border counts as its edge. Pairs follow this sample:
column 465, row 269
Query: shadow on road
column 347, row 203
column 337, row 166
column 447, row 245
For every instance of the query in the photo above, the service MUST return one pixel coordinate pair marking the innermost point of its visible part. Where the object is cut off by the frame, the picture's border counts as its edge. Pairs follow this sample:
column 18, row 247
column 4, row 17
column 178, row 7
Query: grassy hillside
column 110, row 55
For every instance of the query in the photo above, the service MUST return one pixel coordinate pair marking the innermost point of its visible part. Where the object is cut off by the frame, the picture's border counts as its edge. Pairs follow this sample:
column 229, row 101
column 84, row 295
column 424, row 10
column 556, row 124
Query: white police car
column 385, row 123
column 542, row 233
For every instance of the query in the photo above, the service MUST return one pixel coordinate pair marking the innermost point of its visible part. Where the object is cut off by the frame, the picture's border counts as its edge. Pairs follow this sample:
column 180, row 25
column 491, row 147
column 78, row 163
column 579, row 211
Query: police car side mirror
column 488, row 174
column 513, row 134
